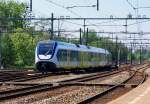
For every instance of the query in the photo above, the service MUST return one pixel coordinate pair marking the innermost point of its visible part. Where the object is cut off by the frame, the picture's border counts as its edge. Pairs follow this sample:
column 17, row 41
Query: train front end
column 44, row 56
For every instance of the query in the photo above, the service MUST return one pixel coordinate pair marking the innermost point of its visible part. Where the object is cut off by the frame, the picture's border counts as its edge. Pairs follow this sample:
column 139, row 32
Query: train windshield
column 46, row 48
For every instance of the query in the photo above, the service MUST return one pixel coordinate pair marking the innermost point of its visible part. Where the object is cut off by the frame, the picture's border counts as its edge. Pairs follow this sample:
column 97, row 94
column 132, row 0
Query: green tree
column 91, row 36
column 111, row 46
column 24, row 47
column 11, row 9
column 7, row 51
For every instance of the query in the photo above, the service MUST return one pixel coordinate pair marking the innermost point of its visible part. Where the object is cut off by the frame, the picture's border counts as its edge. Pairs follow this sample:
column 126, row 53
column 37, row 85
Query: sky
column 116, row 8
column 119, row 8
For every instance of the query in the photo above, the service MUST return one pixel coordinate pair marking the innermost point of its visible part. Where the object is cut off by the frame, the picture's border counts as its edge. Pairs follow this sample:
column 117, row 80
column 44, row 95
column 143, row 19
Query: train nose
column 46, row 66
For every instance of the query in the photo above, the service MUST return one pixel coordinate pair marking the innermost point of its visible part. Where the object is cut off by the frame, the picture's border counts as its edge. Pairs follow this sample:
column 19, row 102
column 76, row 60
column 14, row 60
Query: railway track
column 20, row 77
column 13, row 75
column 93, row 99
column 50, row 86
column 79, row 83
column 91, row 77
column 25, row 76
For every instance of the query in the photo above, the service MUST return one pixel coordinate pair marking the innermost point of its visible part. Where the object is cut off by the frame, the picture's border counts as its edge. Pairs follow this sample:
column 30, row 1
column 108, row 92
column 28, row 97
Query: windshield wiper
column 46, row 53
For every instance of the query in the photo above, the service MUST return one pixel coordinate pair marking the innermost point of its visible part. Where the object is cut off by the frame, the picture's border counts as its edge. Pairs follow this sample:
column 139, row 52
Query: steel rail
column 5, row 95
column 41, row 87
column 91, row 77
column 88, row 100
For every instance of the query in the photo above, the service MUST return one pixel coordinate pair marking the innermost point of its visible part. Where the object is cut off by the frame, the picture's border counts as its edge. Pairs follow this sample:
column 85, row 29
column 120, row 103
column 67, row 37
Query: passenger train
column 53, row 56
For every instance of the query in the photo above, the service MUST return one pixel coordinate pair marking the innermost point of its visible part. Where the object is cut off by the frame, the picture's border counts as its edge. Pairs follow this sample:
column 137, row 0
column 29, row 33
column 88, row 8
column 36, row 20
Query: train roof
column 76, row 46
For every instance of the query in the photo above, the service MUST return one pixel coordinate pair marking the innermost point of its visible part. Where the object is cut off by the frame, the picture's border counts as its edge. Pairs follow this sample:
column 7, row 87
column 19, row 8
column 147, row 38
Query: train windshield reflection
column 46, row 48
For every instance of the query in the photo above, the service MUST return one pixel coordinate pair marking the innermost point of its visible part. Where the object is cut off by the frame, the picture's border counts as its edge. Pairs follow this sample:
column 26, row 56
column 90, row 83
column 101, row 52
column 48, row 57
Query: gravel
column 69, row 94
column 111, row 96
column 57, row 78
column 114, row 79
column 72, row 97
column 63, row 95
column 6, row 87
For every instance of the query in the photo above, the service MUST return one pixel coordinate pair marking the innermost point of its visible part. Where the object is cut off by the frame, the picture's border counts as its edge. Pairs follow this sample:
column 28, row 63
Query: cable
column 131, row 5
column 73, row 23
column 138, row 22
column 67, row 9
column 63, row 7
column 106, row 22
column 104, row 25
column 143, row 7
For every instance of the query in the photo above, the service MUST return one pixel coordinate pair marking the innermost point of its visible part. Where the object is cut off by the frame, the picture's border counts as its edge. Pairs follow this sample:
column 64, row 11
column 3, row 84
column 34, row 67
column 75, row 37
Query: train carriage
column 55, row 55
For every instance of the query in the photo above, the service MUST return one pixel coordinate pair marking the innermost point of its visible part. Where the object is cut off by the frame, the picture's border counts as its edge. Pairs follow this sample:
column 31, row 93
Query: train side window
column 103, row 57
column 100, row 57
column 59, row 55
column 62, row 55
column 80, row 56
column 86, row 56
column 93, row 56
column 74, row 55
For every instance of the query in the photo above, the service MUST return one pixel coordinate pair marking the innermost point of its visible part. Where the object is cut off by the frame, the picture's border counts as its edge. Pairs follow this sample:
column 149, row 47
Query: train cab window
column 46, row 48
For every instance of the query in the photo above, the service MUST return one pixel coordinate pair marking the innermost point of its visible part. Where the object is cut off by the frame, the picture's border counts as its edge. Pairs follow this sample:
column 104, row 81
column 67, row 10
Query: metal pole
column 52, row 26
column 97, row 5
column 126, row 57
column 116, row 62
column 97, row 41
column 119, row 57
column 58, row 28
column 0, row 50
column 126, row 26
column 30, row 5
column 119, row 54
column 140, row 54
column 87, row 32
column 80, row 36
column 84, row 29
column 131, row 54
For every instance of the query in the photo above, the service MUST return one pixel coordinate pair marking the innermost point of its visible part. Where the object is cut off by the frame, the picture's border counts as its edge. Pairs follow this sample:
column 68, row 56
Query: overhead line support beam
column 13, row 18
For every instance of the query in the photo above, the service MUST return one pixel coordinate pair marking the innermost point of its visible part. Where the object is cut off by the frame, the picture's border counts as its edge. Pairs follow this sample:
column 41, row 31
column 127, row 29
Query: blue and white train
column 52, row 56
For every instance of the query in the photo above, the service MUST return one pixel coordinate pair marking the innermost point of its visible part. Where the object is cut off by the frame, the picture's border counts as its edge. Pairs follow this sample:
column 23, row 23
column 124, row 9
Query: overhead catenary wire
column 131, row 4
column 76, row 23
column 138, row 22
column 143, row 7
column 73, row 23
column 106, row 32
column 67, row 9
column 63, row 7
column 105, row 22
